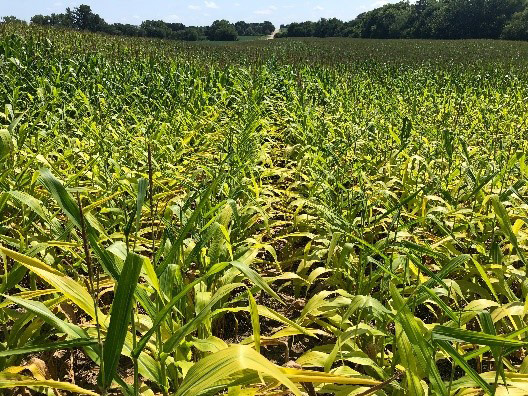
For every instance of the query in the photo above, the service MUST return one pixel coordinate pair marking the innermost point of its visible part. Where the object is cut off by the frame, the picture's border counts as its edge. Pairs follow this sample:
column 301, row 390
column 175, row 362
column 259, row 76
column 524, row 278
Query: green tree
column 12, row 19
column 328, row 28
column 43, row 20
column 517, row 27
column 120, row 29
column 188, row 34
column 84, row 19
column 303, row 29
column 222, row 30
column 389, row 21
column 496, row 14
column 158, row 29
column 176, row 27
column 254, row 29
column 241, row 28
column 267, row 27
column 423, row 19
column 62, row 20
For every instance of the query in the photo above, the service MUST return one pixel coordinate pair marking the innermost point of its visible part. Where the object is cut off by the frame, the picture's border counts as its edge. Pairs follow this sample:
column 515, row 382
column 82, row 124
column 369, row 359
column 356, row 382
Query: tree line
column 83, row 18
column 423, row 19
column 426, row 19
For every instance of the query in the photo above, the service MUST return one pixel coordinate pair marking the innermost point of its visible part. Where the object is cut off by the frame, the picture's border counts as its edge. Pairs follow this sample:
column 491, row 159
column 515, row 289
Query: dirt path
column 272, row 35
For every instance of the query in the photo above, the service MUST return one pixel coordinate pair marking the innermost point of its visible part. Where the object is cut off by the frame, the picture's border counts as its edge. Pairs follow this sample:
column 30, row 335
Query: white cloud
column 210, row 4
column 318, row 8
column 194, row 7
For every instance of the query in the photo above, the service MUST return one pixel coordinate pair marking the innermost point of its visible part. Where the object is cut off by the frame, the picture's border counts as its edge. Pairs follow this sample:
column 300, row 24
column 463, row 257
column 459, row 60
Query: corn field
column 287, row 217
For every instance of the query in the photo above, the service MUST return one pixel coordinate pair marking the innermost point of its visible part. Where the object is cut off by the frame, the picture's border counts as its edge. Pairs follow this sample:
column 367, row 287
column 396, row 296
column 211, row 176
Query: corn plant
column 288, row 217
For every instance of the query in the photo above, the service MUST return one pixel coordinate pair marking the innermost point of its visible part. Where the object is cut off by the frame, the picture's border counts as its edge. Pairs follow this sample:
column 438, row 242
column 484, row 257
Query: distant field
column 241, row 39
column 251, row 38
column 315, row 216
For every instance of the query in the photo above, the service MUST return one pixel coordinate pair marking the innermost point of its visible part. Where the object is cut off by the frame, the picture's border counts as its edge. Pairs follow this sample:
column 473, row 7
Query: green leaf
column 474, row 337
column 443, row 306
column 504, row 221
column 176, row 244
column 396, row 207
column 119, row 318
column 255, row 323
column 480, row 351
column 49, row 346
column 193, row 324
column 32, row 203
column 66, row 285
column 256, row 279
column 458, row 359
column 24, row 381
column 488, row 327
column 408, row 361
column 420, row 345
column 142, row 194
column 486, row 278
column 61, row 196
column 6, row 143
column 41, row 311
column 167, row 308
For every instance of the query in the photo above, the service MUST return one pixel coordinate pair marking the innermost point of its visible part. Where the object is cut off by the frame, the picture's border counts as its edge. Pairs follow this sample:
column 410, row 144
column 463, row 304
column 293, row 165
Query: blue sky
column 198, row 12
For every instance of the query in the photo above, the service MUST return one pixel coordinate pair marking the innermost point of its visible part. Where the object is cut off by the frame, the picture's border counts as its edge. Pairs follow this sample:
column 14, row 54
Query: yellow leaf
column 66, row 285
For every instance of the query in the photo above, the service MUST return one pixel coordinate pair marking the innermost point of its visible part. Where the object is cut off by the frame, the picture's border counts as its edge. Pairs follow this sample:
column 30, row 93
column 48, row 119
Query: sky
column 199, row 12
